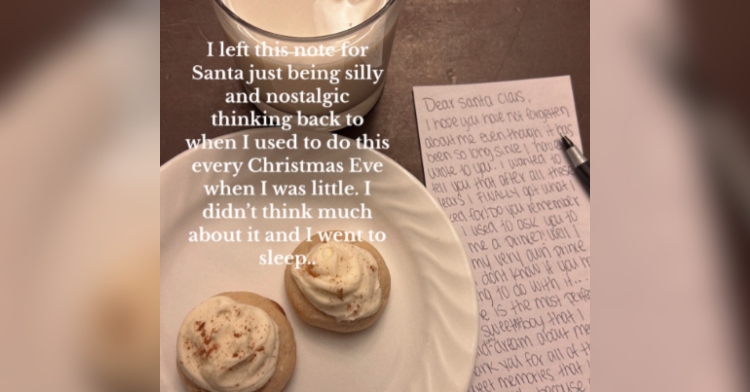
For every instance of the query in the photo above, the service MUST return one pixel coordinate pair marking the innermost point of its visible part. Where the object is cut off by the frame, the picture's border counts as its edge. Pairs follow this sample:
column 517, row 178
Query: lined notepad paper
column 493, row 160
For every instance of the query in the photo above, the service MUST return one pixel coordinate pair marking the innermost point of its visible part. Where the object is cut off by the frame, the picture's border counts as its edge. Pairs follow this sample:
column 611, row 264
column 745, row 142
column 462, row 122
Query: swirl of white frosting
column 342, row 282
column 227, row 346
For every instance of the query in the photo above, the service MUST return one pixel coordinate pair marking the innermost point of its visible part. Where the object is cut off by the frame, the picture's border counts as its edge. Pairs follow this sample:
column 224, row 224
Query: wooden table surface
column 437, row 42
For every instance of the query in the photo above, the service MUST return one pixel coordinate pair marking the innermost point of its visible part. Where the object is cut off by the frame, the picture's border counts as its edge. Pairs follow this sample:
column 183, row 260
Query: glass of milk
column 346, row 28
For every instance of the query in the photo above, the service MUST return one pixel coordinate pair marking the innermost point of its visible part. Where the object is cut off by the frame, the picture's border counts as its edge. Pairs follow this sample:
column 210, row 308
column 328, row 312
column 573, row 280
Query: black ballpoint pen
column 579, row 162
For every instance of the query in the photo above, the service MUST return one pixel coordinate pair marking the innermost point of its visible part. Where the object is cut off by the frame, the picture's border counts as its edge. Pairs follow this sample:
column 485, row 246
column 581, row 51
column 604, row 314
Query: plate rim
column 166, row 167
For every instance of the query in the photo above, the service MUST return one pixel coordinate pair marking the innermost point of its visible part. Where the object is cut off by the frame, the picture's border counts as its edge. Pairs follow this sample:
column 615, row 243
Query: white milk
column 305, row 18
column 313, row 18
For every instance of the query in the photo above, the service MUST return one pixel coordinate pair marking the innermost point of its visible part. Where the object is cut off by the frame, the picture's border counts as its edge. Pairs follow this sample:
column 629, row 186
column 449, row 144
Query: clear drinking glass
column 377, row 33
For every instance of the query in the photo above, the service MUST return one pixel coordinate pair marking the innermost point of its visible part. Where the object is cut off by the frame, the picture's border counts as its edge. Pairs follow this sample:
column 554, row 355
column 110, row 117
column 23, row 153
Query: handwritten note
column 493, row 159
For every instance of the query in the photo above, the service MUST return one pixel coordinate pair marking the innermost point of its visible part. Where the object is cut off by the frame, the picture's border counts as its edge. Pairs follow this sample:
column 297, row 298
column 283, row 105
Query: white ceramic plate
column 426, row 339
